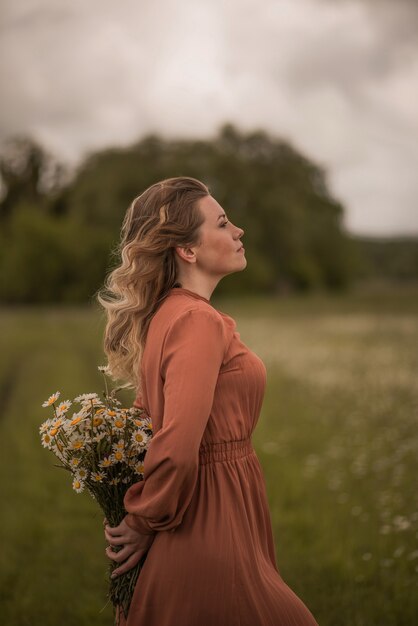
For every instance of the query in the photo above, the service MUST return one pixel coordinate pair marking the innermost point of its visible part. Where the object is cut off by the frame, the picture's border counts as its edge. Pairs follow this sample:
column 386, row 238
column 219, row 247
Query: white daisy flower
column 99, row 436
column 140, row 422
column 46, row 440
column 119, row 445
column 52, row 399
column 106, row 462
column 55, row 426
column 114, row 481
column 145, row 422
column 119, row 424
column 45, row 426
column 75, row 461
column 104, row 368
column 131, row 452
column 118, row 456
column 139, row 468
column 78, row 485
column 82, row 473
column 76, row 418
column 85, row 397
column 63, row 407
column 85, row 411
column 98, row 421
column 140, row 438
column 98, row 476
column 77, row 444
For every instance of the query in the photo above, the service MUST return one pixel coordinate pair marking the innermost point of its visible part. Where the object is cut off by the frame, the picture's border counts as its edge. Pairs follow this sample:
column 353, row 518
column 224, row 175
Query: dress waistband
column 224, row 450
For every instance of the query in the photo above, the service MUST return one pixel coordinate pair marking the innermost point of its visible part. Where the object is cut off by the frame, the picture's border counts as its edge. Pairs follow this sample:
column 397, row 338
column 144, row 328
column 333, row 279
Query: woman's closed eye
column 224, row 224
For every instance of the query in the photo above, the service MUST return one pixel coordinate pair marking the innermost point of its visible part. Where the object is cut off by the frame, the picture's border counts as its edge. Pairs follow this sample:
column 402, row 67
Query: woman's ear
column 186, row 254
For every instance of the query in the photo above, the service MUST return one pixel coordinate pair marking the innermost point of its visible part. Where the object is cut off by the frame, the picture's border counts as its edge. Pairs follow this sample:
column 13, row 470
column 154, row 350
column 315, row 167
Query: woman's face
column 220, row 251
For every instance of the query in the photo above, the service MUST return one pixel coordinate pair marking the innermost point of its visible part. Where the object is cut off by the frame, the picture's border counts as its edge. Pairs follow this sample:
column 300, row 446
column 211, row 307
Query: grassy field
column 337, row 439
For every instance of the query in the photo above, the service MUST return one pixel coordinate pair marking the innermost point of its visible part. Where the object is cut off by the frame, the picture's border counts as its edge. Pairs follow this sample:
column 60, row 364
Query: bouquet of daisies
column 104, row 447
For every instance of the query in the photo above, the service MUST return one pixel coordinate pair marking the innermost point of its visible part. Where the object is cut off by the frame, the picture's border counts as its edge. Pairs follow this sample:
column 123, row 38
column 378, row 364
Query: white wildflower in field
column 356, row 510
column 342, row 498
column 400, row 523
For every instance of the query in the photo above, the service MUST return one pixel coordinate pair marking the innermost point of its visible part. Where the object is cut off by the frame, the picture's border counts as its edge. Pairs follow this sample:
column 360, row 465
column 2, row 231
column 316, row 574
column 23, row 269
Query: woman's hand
column 135, row 545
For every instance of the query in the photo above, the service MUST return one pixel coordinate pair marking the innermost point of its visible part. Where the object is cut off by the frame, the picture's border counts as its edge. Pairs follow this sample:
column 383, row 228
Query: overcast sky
column 338, row 78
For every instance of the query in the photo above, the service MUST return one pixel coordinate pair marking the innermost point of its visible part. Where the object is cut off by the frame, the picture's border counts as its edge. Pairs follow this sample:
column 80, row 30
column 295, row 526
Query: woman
column 200, row 515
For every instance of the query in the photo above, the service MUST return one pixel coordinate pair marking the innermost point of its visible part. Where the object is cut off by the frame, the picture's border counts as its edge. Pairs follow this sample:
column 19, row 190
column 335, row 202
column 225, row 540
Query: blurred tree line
column 58, row 234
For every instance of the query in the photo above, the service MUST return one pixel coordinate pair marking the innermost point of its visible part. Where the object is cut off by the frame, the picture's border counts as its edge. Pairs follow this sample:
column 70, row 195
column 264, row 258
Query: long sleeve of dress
column 193, row 351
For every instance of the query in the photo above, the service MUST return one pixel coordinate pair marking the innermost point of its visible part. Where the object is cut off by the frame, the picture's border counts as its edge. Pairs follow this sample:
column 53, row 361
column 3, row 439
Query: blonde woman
column 200, row 515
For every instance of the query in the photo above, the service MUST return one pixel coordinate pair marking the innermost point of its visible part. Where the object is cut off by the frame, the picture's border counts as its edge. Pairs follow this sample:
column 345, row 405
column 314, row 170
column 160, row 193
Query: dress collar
column 183, row 290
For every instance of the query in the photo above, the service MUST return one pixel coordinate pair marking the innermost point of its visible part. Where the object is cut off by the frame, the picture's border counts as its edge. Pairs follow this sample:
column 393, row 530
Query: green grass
column 337, row 439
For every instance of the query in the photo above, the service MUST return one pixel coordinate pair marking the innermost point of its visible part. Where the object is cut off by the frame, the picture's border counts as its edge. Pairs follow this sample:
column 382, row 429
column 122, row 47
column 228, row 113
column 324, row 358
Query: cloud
column 339, row 80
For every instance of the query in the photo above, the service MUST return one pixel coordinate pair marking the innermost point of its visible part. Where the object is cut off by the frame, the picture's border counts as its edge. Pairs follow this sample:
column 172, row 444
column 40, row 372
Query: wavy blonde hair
column 164, row 216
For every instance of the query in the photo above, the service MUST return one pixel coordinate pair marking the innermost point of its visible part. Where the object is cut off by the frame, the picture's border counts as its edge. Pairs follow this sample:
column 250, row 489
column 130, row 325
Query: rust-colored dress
column 212, row 561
